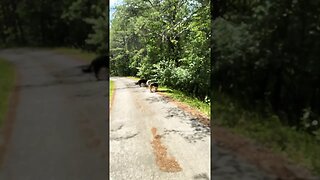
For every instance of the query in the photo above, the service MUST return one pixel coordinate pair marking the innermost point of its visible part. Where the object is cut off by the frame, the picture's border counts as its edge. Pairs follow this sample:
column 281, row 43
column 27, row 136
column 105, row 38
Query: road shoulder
column 276, row 165
column 9, row 116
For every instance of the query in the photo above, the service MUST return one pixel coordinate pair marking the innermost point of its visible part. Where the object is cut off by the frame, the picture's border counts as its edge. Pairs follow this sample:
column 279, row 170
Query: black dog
column 98, row 64
column 141, row 82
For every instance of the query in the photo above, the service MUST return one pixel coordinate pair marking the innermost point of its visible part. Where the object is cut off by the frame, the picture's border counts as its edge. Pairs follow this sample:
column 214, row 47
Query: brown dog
column 153, row 87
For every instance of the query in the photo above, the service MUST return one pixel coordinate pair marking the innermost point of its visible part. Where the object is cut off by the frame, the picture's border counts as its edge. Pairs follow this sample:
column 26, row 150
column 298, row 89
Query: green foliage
column 90, row 18
column 98, row 38
column 167, row 41
column 266, row 56
column 73, row 23
column 265, row 65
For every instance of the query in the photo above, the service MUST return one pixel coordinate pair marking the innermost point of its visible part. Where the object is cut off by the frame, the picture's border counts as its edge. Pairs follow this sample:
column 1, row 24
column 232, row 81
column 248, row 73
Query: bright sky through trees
column 113, row 3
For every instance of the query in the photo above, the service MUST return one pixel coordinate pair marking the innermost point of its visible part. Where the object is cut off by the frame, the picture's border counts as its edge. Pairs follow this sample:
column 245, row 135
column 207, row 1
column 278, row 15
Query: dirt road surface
column 59, row 130
column 178, row 150
column 153, row 139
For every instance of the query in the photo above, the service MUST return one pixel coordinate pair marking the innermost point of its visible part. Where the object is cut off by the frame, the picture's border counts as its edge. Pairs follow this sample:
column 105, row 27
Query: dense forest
column 73, row 23
column 265, row 53
column 167, row 41
column 267, row 57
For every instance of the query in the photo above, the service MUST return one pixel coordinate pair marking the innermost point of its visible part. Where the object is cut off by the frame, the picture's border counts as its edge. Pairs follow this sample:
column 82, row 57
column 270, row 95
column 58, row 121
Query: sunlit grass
column 111, row 86
column 184, row 98
column 189, row 100
column 111, row 94
column 7, row 77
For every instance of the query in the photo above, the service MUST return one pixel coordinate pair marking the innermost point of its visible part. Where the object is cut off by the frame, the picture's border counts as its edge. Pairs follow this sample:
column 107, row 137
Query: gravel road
column 60, row 128
column 152, row 139
column 134, row 116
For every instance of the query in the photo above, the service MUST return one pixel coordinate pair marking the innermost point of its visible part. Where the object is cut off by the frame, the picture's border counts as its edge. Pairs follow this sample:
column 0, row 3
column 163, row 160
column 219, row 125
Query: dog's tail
column 148, row 83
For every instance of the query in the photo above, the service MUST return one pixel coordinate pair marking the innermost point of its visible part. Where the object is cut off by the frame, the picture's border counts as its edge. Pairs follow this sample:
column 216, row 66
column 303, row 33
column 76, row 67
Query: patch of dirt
column 165, row 163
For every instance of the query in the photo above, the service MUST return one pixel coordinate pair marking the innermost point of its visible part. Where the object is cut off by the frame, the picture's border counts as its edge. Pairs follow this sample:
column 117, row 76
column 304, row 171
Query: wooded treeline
column 163, row 40
column 267, row 56
column 76, row 23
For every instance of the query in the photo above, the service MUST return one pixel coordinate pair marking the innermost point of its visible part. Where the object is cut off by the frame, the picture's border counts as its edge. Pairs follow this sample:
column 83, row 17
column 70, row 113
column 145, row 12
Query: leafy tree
column 266, row 56
column 78, row 23
column 168, row 41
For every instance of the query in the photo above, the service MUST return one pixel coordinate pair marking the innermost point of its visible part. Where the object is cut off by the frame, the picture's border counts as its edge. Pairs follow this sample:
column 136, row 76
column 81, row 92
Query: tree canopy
column 267, row 55
column 167, row 41
column 77, row 23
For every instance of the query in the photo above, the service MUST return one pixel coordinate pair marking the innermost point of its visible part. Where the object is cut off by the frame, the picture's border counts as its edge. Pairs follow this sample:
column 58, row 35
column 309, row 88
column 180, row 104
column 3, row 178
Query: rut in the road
column 167, row 164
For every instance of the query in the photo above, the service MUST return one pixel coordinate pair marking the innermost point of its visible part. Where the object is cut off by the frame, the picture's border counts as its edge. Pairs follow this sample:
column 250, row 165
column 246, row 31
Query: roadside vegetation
column 267, row 130
column 7, row 79
column 202, row 106
column 194, row 102
column 267, row 76
column 165, row 41
column 80, row 24
column 111, row 88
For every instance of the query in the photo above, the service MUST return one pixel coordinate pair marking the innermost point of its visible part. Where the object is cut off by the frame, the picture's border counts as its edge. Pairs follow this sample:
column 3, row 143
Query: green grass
column 7, row 79
column 184, row 98
column 268, row 131
column 111, row 90
column 76, row 53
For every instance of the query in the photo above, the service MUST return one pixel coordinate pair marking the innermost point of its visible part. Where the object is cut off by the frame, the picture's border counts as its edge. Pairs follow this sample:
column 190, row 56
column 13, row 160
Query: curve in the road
column 60, row 123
